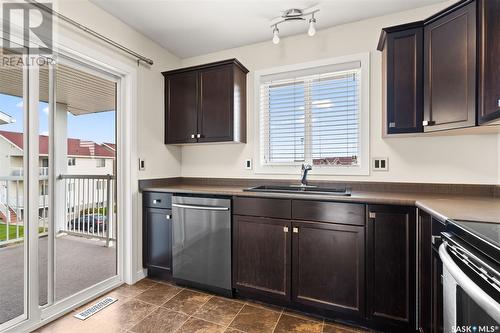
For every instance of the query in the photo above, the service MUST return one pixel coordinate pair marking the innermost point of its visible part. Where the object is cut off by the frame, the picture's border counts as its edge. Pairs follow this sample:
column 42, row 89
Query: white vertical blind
column 311, row 118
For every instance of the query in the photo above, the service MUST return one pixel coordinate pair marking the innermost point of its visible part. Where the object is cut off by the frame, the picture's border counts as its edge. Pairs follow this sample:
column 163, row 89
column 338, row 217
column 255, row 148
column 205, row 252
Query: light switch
column 142, row 164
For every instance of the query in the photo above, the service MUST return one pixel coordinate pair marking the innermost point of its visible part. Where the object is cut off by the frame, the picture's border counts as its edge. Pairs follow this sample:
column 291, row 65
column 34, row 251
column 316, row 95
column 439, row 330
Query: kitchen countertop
column 441, row 206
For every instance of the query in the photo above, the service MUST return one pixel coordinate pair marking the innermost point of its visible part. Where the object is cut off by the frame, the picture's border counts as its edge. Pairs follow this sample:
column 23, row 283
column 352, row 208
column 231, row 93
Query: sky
column 97, row 127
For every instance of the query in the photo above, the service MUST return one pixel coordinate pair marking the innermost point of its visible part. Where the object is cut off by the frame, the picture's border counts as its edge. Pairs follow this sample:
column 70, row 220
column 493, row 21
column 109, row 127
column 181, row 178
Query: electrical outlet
column 248, row 164
column 142, row 164
column 380, row 164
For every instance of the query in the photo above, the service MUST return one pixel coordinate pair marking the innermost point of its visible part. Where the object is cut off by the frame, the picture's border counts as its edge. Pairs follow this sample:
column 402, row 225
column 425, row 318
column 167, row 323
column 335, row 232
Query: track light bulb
column 276, row 37
column 312, row 27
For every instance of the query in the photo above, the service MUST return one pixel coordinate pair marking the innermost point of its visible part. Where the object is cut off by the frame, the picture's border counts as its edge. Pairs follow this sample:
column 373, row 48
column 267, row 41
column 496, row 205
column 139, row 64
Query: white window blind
column 311, row 118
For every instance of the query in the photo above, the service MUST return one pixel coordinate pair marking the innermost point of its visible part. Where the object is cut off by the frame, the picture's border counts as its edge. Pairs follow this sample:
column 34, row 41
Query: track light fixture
column 276, row 37
column 295, row 14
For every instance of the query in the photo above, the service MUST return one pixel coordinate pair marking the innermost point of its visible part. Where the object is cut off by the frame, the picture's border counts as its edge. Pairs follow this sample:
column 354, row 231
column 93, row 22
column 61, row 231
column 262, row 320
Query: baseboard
column 141, row 274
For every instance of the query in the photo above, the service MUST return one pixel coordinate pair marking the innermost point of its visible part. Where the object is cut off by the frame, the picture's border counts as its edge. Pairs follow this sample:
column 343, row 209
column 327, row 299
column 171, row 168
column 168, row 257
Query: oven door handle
column 487, row 303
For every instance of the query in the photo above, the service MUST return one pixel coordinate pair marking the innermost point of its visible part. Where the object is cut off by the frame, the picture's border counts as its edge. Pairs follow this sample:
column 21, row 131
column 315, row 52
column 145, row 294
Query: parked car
column 91, row 223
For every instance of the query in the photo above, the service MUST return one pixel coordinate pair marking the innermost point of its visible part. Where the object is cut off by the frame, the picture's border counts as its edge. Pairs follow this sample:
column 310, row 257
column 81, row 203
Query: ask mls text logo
column 475, row 329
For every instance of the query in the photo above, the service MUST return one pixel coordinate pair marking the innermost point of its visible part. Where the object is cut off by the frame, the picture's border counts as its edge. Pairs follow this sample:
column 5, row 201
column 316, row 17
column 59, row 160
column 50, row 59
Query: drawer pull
column 392, row 124
column 192, row 136
column 168, row 217
column 295, row 230
column 157, row 201
column 372, row 215
column 428, row 123
column 434, row 239
column 285, row 229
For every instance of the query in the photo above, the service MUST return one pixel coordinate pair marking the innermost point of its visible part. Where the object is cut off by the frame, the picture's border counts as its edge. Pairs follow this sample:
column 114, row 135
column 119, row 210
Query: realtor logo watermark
column 26, row 30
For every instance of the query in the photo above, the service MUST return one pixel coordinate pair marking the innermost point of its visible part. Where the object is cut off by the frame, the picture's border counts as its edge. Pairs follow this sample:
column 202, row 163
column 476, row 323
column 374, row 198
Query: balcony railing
column 89, row 207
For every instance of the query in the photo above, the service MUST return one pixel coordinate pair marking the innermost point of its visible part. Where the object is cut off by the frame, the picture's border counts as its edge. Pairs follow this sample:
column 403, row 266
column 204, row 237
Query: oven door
column 471, row 297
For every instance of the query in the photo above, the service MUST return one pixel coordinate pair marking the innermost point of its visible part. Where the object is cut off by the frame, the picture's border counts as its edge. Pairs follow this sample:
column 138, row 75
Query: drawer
column 157, row 200
column 266, row 207
column 324, row 211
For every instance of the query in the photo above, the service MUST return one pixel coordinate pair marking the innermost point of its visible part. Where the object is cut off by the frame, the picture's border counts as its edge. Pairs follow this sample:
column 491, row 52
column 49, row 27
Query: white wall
column 453, row 159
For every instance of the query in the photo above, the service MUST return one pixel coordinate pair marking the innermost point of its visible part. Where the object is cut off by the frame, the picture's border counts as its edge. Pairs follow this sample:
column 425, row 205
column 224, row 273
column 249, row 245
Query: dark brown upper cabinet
column 489, row 61
column 402, row 52
column 443, row 73
column 206, row 103
column 391, row 267
column 450, row 70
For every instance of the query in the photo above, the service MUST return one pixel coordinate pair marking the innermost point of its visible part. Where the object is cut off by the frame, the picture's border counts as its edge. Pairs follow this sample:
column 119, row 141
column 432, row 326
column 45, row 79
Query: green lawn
column 13, row 231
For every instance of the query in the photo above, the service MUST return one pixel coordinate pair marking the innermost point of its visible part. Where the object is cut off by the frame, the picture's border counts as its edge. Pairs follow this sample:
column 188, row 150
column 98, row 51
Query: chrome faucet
column 305, row 170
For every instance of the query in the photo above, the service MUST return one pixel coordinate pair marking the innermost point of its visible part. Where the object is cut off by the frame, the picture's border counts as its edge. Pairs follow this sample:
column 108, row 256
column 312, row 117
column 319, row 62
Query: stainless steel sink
column 341, row 191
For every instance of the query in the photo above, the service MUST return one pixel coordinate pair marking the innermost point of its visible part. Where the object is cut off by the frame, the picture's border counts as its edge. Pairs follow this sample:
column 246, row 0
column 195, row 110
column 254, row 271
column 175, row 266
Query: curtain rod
column 91, row 32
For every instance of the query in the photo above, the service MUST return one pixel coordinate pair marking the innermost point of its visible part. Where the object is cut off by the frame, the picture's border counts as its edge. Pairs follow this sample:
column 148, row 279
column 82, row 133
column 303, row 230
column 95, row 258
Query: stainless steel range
column 471, row 276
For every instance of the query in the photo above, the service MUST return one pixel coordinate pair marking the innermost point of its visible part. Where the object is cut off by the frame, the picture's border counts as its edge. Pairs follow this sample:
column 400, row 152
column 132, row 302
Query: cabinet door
column 215, row 116
column 181, row 105
column 158, row 246
column 261, row 256
column 450, row 70
column 328, row 266
column 391, row 267
column 424, row 271
column 489, row 61
column 404, row 81
column 437, row 293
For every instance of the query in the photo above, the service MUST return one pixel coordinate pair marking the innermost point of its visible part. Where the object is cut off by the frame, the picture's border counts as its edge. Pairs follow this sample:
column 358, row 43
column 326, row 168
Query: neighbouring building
column 83, row 158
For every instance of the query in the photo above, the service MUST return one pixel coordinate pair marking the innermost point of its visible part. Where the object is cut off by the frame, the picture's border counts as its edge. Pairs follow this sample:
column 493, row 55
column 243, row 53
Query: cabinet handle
column 156, row 201
column 295, row 230
column 435, row 238
column 198, row 135
column 498, row 103
column 392, row 124
column 168, row 217
column 428, row 123
column 285, row 229
column 192, row 136
column 372, row 215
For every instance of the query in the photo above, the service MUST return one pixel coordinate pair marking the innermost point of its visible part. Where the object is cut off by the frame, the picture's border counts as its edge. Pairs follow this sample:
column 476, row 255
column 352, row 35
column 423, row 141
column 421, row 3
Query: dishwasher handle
column 216, row 208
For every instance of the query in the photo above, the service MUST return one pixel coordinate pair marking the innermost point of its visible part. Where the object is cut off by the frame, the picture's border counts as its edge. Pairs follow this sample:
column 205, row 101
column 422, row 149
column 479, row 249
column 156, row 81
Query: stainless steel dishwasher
column 202, row 243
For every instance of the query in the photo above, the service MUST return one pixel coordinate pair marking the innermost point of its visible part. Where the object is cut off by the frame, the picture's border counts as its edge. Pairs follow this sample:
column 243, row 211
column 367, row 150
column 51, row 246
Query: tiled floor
column 150, row 306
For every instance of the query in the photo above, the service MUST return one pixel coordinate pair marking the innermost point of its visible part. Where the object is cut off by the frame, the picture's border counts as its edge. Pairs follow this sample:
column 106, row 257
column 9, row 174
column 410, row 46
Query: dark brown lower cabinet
column 391, row 267
column 328, row 266
column 261, row 256
column 157, row 238
column 437, row 293
column 425, row 271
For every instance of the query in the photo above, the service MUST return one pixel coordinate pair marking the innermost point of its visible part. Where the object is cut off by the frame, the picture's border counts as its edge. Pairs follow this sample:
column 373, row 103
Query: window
column 101, row 162
column 71, row 161
column 314, row 114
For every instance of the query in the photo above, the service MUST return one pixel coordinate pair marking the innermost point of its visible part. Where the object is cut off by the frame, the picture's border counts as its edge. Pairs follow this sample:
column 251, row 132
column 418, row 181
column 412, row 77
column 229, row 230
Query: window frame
column 364, row 119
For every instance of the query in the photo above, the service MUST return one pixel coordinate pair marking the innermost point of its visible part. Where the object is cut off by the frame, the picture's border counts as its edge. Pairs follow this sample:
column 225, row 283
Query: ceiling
column 189, row 28
column 81, row 92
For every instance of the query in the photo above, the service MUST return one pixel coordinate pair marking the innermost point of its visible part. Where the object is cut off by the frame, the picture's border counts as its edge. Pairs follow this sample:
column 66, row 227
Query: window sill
column 316, row 171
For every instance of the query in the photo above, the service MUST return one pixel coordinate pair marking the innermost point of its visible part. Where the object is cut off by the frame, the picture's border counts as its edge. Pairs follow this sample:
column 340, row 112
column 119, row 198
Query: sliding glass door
column 13, row 188
column 59, row 228
column 77, row 162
